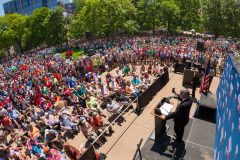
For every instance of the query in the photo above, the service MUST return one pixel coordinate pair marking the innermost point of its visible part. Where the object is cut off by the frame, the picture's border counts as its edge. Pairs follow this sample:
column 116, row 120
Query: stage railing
column 138, row 154
column 147, row 96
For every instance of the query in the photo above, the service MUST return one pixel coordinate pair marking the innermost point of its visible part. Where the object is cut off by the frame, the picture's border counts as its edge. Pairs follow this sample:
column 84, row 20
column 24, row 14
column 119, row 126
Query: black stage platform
column 198, row 143
column 207, row 107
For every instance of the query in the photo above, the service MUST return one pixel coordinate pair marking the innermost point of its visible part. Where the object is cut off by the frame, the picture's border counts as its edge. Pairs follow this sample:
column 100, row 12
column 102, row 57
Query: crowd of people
column 45, row 99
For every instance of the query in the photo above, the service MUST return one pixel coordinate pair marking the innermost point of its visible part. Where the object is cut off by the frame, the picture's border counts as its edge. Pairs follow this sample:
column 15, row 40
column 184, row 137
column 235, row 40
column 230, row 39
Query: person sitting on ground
column 52, row 154
column 113, row 106
column 80, row 91
column 131, row 91
column 93, row 104
column 88, row 131
column 122, row 98
column 51, row 120
column 6, row 122
column 33, row 132
column 149, row 68
column 142, row 69
column 98, row 124
column 126, row 70
column 67, row 123
column 53, row 139
column 135, row 81
column 103, row 91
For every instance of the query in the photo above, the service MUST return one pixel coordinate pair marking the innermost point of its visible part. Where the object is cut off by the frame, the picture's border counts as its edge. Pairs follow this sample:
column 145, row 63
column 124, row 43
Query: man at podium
column 181, row 115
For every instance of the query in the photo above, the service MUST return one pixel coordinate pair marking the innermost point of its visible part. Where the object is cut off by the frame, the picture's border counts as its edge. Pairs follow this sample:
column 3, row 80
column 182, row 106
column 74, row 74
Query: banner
column 227, row 139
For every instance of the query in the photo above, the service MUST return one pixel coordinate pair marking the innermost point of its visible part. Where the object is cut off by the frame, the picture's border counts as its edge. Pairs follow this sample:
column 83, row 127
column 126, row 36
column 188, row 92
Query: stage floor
column 198, row 143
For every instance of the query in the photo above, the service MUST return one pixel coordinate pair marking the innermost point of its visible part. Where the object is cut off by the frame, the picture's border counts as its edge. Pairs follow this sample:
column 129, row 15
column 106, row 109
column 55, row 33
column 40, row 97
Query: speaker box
column 188, row 76
column 200, row 46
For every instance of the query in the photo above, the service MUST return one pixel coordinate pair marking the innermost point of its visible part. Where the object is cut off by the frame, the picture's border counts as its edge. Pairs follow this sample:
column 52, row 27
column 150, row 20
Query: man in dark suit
column 195, row 83
column 181, row 115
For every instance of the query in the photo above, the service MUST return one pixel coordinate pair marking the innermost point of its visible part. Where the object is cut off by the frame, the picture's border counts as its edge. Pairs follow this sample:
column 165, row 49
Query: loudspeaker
column 200, row 46
column 89, row 36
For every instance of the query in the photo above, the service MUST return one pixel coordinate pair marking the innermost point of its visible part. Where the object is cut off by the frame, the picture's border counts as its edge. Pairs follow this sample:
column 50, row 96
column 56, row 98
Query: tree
column 36, row 32
column 148, row 14
column 190, row 14
column 230, row 16
column 104, row 17
column 79, row 4
column 169, row 14
column 12, row 28
column 213, row 17
column 55, row 27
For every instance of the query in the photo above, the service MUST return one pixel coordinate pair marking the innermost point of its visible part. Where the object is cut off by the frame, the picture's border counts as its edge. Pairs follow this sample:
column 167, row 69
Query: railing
column 114, row 121
column 89, row 152
column 138, row 154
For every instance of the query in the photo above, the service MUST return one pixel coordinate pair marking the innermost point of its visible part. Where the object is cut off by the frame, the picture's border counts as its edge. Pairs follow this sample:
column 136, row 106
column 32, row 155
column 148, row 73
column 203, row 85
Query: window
column 9, row 7
column 44, row 3
column 51, row 3
column 18, row 5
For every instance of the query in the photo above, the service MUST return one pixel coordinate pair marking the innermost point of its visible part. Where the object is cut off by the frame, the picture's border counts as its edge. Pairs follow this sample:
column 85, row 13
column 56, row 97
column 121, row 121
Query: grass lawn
column 76, row 54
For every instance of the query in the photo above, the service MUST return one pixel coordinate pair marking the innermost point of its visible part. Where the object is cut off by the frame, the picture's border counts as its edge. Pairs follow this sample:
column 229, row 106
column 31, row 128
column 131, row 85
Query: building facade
column 28, row 6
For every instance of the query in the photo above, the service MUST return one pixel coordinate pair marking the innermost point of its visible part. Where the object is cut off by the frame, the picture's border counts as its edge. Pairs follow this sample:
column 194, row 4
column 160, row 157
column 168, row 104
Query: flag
column 205, row 80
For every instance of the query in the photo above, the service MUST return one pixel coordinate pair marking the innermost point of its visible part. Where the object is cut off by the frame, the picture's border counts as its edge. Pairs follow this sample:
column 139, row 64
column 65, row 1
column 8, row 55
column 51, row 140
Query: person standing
column 195, row 83
column 181, row 115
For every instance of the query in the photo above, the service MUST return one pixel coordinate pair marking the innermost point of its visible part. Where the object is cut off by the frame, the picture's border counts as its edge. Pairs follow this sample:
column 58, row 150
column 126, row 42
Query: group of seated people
column 38, row 119
column 44, row 100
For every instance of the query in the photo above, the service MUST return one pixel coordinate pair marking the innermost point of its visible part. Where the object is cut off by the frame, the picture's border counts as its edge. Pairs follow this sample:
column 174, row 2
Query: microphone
column 174, row 92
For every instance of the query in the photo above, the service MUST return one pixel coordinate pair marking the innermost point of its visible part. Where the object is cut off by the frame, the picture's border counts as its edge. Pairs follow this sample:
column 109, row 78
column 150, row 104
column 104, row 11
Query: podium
column 160, row 125
column 188, row 64
column 179, row 67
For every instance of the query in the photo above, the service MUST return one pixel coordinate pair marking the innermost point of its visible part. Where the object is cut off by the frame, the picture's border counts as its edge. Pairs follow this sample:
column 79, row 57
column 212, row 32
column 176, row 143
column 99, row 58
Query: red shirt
column 6, row 122
column 48, row 84
column 97, row 122
column 24, row 67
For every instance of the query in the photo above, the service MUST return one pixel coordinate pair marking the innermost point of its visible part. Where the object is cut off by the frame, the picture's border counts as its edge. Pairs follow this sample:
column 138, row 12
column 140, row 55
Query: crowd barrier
column 147, row 96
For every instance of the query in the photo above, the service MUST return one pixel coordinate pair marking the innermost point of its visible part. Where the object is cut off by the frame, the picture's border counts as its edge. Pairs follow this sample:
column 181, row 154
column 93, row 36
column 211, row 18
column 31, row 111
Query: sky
column 1, row 7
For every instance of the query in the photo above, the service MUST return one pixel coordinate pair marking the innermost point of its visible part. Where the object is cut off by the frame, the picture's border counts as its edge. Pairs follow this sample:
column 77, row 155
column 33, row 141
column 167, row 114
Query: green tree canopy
column 169, row 14
column 55, row 27
column 12, row 30
column 104, row 17
column 36, row 28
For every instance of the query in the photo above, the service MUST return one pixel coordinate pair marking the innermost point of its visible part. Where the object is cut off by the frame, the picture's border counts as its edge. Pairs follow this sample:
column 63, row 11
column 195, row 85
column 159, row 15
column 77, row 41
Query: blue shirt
column 135, row 81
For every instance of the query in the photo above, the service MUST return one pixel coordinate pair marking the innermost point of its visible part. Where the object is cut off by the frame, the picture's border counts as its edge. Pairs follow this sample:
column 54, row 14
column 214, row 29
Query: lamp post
column 65, row 15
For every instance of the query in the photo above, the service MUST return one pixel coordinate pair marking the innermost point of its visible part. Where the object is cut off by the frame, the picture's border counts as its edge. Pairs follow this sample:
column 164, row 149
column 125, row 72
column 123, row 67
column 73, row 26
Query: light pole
column 65, row 16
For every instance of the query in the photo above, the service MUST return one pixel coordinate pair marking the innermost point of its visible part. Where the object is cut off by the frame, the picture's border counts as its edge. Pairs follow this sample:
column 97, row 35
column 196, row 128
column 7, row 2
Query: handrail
column 109, row 125
column 114, row 121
